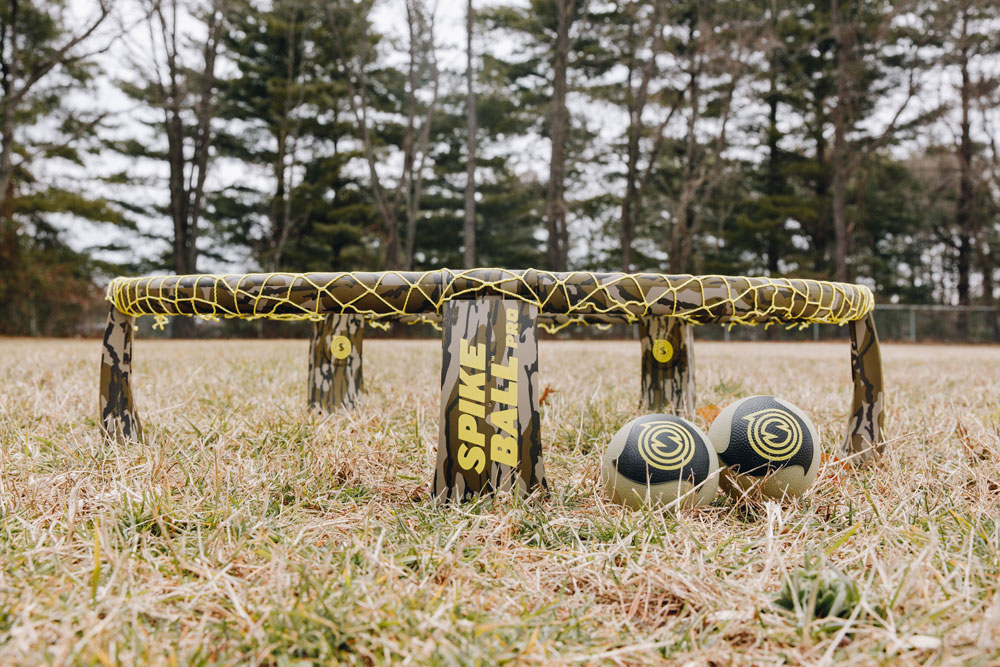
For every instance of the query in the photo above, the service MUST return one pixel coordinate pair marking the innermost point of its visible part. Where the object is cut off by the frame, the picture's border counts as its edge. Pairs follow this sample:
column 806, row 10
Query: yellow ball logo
column 663, row 351
column 340, row 347
column 774, row 434
column 666, row 445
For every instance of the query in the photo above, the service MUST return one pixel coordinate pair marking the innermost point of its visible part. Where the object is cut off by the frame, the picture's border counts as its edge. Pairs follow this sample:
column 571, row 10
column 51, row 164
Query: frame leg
column 119, row 420
column 865, row 435
column 490, row 438
column 667, row 365
column 335, row 379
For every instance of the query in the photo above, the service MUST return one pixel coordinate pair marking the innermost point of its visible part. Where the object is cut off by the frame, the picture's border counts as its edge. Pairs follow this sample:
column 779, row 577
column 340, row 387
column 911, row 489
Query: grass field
column 248, row 529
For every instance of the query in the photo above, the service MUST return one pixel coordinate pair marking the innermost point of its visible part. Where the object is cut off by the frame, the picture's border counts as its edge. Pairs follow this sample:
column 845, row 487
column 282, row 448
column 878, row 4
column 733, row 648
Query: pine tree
column 44, row 284
column 288, row 123
column 850, row 72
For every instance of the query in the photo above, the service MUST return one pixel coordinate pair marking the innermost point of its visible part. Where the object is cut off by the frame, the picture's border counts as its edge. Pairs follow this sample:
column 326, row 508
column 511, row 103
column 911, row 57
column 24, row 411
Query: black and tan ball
column 656, row 459
column 767, row 443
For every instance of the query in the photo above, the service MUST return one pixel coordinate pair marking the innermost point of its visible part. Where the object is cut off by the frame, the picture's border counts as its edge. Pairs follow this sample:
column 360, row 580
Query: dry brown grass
column 247, row 529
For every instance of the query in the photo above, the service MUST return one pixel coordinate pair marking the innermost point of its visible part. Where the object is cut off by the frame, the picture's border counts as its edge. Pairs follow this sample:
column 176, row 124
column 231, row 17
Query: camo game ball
column 658, row 458
column 767, row 441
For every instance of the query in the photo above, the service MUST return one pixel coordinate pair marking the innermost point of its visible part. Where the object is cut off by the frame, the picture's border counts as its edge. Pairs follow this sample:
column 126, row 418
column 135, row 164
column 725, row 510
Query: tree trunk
column 7, row 164
column 277, row 208
column 469, row 230
column 627, row 223
column 821, row 187
column 419, row 144
column 185, row 246
column 629, row 201
column 187, row 176
column 838, row 163
column 7, row 37
column 7, row 169
column 555, row 206
column 627, row 234
column 280, row 209
column 405, row 186
column 989, row 284
column 683, row 217
column 773, row 186
column 964, row 215
column 636, row 100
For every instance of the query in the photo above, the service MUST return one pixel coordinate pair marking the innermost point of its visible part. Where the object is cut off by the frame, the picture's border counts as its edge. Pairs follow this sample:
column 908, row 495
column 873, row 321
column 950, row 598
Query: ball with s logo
column 656, row 459
column 767, row 442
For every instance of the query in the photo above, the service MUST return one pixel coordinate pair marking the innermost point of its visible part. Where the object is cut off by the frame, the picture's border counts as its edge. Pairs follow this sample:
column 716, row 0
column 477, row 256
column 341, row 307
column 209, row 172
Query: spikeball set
column 490, row 427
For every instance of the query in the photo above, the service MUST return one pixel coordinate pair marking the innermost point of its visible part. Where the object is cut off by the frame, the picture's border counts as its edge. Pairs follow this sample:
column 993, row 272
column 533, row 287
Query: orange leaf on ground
column 709, row 412
column 545, row 394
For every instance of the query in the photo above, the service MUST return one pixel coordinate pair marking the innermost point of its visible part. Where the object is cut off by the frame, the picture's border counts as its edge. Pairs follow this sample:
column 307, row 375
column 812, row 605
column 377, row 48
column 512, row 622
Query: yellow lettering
column 508, row 372
column 503, row 450
column 506, row 420
column 512, row 329
column 471, row 385
column 471, row 457
column 507, row 396
column 473, row 356
column 471, row 408
column 467, row 431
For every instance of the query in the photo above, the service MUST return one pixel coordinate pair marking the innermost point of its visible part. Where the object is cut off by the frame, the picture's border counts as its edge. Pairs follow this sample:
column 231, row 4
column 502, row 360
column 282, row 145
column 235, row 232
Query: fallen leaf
column 545, row 394
column 709, row 413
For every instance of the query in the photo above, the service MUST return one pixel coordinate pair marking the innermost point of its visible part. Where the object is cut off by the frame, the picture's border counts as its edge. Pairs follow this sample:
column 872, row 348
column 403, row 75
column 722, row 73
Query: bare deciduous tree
column 350, row 28
column 642, row 71
column 177, row 78
column 469, row 229
column 717, row 59
column 556, row 210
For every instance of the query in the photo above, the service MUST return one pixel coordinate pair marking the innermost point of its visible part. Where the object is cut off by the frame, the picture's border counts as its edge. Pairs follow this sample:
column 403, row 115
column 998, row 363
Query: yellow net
column 578, row 297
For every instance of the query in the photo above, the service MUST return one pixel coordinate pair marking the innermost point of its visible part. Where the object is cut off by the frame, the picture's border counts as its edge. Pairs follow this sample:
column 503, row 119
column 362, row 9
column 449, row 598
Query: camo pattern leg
column 119, row 420
column 490, row 426
column 335, row 378
column 865, row 433
column 667, row 365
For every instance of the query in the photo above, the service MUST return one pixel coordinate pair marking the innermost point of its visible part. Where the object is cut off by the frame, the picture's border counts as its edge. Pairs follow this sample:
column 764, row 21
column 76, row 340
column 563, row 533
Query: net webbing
column 570, row 297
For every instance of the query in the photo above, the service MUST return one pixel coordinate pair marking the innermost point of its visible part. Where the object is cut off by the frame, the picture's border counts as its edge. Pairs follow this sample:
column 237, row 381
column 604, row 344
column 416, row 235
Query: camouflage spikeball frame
column 490, row 425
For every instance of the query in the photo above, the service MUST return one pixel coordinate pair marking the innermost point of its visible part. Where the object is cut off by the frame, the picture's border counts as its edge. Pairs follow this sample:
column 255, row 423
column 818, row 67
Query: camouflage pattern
column 490, row 430
column 563, row 298
column 335, row 379
column 695, row 299
column 118, row 419
column 667, row 366
column 865, row 435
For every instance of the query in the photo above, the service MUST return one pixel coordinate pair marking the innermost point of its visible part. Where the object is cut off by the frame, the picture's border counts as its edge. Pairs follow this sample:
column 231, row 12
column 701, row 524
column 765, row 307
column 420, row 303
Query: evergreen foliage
column 48, row 142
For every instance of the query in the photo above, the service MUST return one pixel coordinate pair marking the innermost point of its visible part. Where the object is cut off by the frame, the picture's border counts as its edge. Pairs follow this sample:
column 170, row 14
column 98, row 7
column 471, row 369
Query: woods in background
column 841, row 140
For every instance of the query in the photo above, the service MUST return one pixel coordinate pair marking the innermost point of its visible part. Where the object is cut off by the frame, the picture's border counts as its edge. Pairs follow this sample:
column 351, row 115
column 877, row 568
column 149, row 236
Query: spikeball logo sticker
column 663, row 351
column 666, row 445
column 340, row 347
column 774, row 434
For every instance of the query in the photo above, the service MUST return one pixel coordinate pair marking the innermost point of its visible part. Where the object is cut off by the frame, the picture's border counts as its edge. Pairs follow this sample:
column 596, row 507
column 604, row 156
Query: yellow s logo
column 663, row 351
column 340, row 347
column 666, row 445
column 774, row 434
